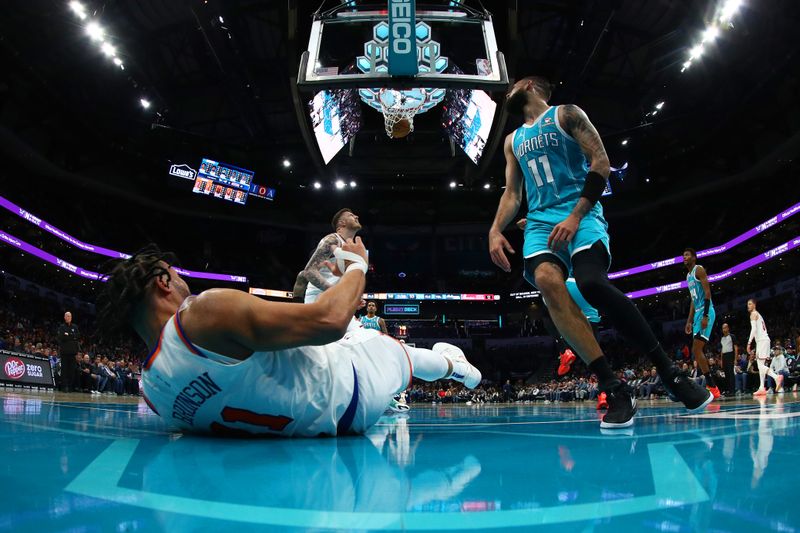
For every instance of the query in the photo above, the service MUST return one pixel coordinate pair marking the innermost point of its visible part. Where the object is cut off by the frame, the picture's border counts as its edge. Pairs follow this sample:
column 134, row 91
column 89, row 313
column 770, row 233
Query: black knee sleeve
column 590, row 270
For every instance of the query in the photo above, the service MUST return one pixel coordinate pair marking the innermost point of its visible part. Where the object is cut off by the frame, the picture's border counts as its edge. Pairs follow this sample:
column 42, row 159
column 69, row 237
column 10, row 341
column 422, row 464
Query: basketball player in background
column 373, row 321
column 758, row 333
column 230, row 363
column 566, row 231
column 700, row 325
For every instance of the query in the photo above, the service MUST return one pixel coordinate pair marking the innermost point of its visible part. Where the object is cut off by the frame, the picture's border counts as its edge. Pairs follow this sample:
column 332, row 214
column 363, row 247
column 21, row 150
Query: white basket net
column 392, row 114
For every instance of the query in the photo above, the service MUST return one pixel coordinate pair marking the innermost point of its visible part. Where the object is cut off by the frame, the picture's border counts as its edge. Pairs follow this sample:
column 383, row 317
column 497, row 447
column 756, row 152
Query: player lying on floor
column 230, row 363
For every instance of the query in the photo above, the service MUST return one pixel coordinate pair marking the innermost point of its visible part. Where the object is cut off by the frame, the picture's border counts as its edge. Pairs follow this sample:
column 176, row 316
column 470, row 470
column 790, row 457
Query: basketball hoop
column 398, row 106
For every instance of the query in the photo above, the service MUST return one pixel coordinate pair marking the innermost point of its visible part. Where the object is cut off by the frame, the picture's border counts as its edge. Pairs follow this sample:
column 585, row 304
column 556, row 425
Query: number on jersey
column 548, row 173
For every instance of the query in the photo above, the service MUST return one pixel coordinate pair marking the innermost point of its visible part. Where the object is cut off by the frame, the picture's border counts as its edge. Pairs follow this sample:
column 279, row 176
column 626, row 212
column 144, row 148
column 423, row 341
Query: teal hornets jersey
column 696, row 290
column 591, row 314
column 371, row 323
column 553, row 165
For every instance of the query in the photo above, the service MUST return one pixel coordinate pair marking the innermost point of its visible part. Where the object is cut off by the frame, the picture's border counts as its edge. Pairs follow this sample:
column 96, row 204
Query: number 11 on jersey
column 548, row 174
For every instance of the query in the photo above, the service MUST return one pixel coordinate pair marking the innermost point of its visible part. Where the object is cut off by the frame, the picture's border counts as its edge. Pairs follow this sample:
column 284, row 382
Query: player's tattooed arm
column 582, row 207
column 321, row 254
column 577, row 124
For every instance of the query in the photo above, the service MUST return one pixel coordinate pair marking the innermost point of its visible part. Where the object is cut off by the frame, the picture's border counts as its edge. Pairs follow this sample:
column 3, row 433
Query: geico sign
column 402, row 26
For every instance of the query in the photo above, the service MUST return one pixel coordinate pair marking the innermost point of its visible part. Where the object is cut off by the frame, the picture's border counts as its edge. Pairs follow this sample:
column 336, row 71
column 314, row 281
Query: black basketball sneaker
column 621, row 408
column 685, row 390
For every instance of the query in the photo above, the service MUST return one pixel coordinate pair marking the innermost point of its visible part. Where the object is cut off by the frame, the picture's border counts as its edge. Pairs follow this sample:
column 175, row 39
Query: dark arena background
column 231, row 132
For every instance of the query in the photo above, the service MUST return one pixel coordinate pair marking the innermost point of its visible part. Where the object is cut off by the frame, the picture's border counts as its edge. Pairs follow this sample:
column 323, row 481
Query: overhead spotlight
column 78, row 9
column 317, row 185
column 144, row 102
column 353, row 184
column 452, row 184
column 711, row 33
column 117, row 61
column 486, row 185
column 696, row 52
column 221, row 20
column 339, row 184
column 286, row 163
column 647, row 180
column 108, row 50
column 624, row 142
column 659, row 105
column 95, row 31
column 729, row 9
column 686, row 65
column 655, row 112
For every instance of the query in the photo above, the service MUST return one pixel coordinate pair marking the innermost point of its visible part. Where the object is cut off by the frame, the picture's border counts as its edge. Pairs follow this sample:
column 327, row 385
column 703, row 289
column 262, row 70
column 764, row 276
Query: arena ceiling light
column 339, row 184
column 729, row 9
column 108, row 50
column 317, row 185
column 726, row 10
column 353, row 184
column 624, row 142
column 286, row 163
column 95, row 31
column 79, row 9
column 710, row 35
column 487, row 185
column 452, row 184
column 145, row 103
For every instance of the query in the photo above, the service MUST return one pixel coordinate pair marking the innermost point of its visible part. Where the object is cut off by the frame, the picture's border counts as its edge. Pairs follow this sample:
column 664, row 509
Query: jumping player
column 319, row 277
column 566, row 231
column 701, row 315
column 373, row 321
column 758, row 333
column 230, row 363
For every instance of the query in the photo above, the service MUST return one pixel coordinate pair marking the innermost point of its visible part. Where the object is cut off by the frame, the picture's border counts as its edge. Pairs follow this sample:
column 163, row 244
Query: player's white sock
column 762, row 372
column 428, row 365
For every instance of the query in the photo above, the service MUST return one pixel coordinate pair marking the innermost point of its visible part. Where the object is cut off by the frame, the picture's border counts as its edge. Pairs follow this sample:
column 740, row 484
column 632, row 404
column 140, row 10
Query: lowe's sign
column 183, row 171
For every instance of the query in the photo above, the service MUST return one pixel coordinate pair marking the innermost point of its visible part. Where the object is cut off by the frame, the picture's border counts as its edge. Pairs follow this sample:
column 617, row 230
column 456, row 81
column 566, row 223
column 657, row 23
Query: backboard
column 447, row 46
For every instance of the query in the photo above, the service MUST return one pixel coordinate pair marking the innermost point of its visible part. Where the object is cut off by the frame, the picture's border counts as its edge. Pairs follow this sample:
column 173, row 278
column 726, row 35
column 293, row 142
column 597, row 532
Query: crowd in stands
column 28, row 324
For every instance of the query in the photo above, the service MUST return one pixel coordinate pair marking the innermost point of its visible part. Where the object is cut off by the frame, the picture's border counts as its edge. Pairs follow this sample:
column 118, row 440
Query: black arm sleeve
column 706, row 307
column 593, row 187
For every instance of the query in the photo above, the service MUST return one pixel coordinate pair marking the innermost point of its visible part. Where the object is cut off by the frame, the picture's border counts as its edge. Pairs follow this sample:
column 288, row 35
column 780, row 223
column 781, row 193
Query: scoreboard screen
column 224, row 181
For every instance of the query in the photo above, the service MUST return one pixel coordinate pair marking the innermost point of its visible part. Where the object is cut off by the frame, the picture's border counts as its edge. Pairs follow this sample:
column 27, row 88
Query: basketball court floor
column 75, row 463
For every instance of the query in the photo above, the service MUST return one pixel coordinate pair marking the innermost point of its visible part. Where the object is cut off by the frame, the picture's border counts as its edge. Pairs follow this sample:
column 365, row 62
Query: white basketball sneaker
column 463, row 371
column 398, row 405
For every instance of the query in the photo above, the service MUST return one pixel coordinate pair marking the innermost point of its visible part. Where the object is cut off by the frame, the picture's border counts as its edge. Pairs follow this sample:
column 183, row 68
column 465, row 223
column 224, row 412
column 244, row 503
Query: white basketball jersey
column 312, row 291
column 306, row 391
column 761, row 329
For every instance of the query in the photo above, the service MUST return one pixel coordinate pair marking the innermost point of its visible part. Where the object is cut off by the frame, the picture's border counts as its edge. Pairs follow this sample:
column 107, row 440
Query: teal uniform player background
column 371, row 323
column 555, row 169
column 699, row 300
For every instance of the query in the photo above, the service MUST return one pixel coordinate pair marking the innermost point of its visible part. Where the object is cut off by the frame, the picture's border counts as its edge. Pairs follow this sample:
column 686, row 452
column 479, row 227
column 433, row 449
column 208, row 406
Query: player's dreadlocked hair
column 126, row 285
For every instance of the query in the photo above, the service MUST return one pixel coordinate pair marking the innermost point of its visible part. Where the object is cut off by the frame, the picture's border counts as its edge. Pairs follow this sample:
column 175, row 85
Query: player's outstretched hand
column 498, row 246
column 357, row 247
